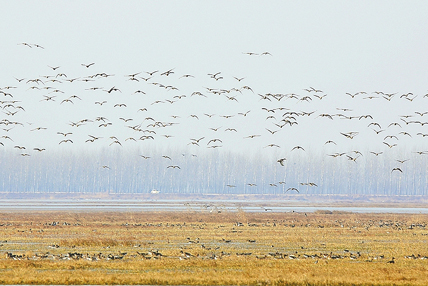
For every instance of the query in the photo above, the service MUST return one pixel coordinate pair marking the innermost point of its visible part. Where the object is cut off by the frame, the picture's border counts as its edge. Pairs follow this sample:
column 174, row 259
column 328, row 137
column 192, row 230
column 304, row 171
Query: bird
column 247, row 88
column 365, row 116
column 350, row 135
column 271, row 132
column 19, row 80
column 168, row 72
column 394, row 124
column 405, row 133
column 38, row 128
column 252, row 136
column 186, row 76
column 75, row 96
column 391, row 261
column 389, row 145
column 297, row 148
column 26, row 44
column 39, row 149
column 173, row 166
column 214, row 140
column 390, row 136
column 421, row 113
column 378, row 131
column 326, row 115
column 87, row 65
column 94, row 137
column 272, row 145
column 214, row 146
column 397, row 169
column 244, row 113
column 145, row 137
column 352, row 158
column 54, row 68
column 197, row 140
column 67, row 100
column 112, row 89
column 374, row 123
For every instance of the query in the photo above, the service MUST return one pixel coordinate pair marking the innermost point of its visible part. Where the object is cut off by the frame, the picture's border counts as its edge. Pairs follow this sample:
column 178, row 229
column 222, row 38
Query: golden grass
column 201, row 248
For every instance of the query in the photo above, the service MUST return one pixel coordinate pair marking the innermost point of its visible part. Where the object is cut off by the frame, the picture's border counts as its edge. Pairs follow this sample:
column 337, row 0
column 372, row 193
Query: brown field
column 202, row 248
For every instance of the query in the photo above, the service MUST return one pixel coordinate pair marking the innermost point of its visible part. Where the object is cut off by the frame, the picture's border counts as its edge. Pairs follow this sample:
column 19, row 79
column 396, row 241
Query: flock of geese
column 132, row 109
column 196, row 248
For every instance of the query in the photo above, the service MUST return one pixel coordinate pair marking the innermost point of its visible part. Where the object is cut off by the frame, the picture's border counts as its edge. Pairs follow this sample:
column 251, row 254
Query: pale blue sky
column 335, row 46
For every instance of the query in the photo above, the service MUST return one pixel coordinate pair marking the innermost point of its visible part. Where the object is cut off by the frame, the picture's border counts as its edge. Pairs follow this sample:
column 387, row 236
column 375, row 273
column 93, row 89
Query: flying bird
column 39, row 149
column 281, row 161
column 173, row 166
column 87, row 65
column 298, row 147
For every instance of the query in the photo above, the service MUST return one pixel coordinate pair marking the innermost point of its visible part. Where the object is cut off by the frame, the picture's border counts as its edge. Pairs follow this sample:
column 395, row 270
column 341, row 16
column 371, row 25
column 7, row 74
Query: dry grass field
column 202, row 248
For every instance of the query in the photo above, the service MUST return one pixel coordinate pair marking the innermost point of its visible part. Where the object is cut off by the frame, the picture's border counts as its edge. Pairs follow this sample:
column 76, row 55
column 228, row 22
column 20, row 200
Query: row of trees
column 217, row 171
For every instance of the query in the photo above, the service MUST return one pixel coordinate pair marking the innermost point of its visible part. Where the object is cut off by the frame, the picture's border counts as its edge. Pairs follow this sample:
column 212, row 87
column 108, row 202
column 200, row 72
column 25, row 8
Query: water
column 182, row 205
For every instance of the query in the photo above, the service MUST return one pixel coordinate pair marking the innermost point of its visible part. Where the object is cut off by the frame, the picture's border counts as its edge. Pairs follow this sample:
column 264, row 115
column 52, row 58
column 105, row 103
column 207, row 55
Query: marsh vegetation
column 226, row 248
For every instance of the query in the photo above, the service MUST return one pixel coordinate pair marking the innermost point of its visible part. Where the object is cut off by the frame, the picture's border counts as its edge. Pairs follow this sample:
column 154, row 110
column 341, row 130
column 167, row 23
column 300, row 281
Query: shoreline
column 214, row 203
column 299, row 198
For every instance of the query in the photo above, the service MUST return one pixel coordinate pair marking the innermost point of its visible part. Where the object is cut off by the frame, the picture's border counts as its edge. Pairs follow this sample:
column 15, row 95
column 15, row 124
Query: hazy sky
column 337, row 47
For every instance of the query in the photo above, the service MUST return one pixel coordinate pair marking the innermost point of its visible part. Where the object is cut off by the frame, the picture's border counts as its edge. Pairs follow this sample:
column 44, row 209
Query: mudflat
column 213, row 248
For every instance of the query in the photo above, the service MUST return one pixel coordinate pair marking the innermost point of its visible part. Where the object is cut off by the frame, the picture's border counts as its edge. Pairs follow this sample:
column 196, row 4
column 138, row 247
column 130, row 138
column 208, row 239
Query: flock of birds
column 196, row 248
column 134, row 106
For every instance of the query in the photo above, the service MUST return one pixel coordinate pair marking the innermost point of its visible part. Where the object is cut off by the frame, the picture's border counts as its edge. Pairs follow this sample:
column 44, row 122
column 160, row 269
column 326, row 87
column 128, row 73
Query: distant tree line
column 216, row 172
